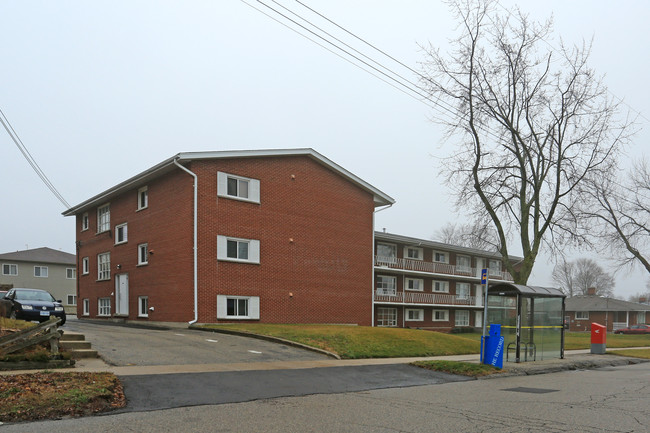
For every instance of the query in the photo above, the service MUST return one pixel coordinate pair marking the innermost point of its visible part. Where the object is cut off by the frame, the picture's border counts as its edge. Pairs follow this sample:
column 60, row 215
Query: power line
column 30, row 159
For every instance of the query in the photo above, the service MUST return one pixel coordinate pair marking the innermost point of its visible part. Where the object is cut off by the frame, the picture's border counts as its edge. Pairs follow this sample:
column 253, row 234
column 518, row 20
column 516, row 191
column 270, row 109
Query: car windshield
column 32, row 295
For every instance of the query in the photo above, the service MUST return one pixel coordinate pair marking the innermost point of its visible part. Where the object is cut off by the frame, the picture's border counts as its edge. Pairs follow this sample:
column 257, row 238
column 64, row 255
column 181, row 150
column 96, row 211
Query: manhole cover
column 531, row 390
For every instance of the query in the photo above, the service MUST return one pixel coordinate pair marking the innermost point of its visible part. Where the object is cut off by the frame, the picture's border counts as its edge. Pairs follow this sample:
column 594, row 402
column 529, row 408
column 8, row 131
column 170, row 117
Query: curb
column 267, row 338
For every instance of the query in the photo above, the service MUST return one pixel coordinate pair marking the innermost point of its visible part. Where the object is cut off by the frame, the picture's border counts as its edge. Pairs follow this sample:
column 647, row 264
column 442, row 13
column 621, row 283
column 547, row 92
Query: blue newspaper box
column 492, row 347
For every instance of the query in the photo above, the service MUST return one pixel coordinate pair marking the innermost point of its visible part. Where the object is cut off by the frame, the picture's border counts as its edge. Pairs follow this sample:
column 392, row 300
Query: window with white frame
column 462, row 290
column 463, row 263
column 461, row 318
column 40, row 271
column 386, row 285
column 121, row 234
column 143, row 198
column 640, row 317
column 440, row 316
column 441, row 286
column 85, row 266
column 495, row 267
column 387, row 317
column 238, row 307
column 415, row 284
column 414, row 253
column 440, row 257
column 9, row 269
column 104, row 266
column 413, row 315
column 72, row 299
column 103, row 218
column 238, row 250
column 582, row 315
column 104, row 307
column 238, row 187
column 84, row 221
column 143, row 306
column 70, row 273
column 143, row 254
column 386, row 253
column 86, row 307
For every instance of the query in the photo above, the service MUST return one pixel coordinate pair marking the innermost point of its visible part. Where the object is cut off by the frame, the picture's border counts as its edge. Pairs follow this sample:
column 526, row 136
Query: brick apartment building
column 277, row 236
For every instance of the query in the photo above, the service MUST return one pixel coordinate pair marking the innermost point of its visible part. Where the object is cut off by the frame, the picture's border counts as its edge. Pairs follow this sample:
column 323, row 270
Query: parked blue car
column 33, row 304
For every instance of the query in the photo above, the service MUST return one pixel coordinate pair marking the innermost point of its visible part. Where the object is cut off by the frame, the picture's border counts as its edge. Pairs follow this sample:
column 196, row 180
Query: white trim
column 10, row 265
column 40, row 271
column 142, row 313
column 420, row 253
column 444, row 312
column 463, row 268
column 67, row 299
column 85, row 221
column 99, row 307
column 86, row 307
column 253, row 307
column 420, row 315
column 253, row 249
column 445, row 284
column 103, row 226
column 144, row 262
column 392, row 319
column 420, row 284
column 105, row 273
column 121, row 230
column 144, row 190
column 74, row 273
column 582, row 312
column 252, row 190
column 446, row 254
column 85, row 266
column 456, row 317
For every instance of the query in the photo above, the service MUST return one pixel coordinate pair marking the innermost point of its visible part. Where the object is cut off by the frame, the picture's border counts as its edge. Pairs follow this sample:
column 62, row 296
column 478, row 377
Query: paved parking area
column 124, row 345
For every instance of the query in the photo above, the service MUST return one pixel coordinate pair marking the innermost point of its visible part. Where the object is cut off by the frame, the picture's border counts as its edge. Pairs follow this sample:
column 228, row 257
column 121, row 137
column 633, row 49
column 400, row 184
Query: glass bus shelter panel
column 502, row 310
column 541, row 327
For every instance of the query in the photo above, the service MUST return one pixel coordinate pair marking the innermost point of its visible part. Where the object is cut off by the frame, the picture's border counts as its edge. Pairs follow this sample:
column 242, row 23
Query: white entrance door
column 122, row 294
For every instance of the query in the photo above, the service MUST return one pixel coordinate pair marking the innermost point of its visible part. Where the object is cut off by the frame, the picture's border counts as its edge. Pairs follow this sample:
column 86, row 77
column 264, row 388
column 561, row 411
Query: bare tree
column 617, row 214
column 477, row 235
column 577, row 277
column 530, row 124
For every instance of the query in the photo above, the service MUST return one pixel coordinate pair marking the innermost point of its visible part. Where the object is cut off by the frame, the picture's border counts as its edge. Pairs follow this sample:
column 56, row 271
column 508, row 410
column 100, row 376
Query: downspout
column 196, row 295
column 372, row 284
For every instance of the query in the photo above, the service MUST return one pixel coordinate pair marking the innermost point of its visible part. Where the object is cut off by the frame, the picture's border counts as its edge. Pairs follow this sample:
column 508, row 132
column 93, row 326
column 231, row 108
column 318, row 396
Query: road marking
column 254, row 351
column 211, row 341
column 180, row 335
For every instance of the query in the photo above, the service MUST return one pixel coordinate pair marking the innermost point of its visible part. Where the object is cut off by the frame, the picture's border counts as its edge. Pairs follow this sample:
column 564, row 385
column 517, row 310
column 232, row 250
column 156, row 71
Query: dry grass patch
column 459, row 368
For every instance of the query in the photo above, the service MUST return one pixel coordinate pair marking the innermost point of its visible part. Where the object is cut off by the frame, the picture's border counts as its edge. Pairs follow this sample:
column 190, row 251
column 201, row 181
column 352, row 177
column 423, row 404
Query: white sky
column 99, row 91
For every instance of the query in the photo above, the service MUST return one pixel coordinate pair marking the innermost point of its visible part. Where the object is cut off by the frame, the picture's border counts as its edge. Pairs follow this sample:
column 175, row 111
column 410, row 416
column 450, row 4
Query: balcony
column 442, row 269
column 384, row 296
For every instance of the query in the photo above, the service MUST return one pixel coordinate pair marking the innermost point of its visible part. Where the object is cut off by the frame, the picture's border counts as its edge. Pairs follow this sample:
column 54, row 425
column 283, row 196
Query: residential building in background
column 273, row 236
column 425, row 284
column 614, row 314
column 42, row 268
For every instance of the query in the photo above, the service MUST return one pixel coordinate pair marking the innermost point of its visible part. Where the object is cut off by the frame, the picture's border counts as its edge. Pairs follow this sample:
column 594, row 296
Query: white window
column 143, row 198
column 143, row 254
column 40, row 271
column 414, row 284
column 143, row 306
column 70, row 273
column 462, row 318
column 413, row 253
column 440, row 316
column 104, row 266
column 463, row 263
column 238, row 250
column 414, row 315
column 462, row 290
column 84, row 221
column 386, row 253
column 441, row 286
column 386, row 316
column 121, row 234
column 238, row 187
column 103, row 218
column 386, row 285
column 85, row 266
column 440, row 257
column 86, row 307
column 582, row 315
column 9, row 269
column 640, row 317
column 72, row 299
column 104, row 307
column 495, row 268
column 238, row 307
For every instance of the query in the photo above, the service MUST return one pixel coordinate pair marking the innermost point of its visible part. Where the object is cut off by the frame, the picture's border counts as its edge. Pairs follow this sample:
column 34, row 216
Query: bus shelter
column 531, row 320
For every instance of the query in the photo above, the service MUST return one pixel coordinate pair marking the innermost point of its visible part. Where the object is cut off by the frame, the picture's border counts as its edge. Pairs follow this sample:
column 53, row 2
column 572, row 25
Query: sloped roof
column 598, row 303
column 380, row 198
column 41, row 255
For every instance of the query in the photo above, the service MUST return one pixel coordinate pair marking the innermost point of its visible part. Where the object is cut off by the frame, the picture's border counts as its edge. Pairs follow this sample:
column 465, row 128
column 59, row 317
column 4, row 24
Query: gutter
column 372, row 263
column 196, row 295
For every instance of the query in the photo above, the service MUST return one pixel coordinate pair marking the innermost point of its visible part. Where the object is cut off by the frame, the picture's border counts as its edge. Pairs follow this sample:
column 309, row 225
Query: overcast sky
column 100, row 91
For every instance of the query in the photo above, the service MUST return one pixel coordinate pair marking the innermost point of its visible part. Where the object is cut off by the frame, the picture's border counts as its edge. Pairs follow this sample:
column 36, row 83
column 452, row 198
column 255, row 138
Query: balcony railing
column 424, row 298
column 438, row 268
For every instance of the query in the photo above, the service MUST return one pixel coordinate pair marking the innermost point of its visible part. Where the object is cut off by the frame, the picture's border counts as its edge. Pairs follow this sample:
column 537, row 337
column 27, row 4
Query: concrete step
column 74, row 344
column 83, row 353
column 72, row 336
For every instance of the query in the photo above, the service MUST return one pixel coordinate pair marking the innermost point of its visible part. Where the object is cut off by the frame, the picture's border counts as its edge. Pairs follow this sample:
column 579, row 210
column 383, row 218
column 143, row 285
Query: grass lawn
column 582, row 340
column 352, row 342
column 634, row 353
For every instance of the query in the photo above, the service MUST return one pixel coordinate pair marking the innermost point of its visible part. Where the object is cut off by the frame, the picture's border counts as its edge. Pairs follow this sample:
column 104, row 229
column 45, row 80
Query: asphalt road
column 123, row 345
column 603, row 400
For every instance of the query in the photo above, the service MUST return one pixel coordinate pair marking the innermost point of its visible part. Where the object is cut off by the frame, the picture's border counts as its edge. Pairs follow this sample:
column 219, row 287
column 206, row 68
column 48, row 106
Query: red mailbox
column 598, row 336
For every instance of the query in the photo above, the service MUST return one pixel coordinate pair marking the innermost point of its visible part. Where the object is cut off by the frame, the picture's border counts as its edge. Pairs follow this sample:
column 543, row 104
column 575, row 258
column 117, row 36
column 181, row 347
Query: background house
column 615, row 314
column 42, row 268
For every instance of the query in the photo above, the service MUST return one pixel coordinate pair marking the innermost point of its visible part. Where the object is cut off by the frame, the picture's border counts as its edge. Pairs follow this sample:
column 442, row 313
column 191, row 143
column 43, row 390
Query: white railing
column 426, row 298
column 438, row 268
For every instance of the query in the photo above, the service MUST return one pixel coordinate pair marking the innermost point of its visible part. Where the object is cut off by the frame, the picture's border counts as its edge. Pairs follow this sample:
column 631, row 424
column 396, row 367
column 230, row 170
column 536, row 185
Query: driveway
column 125, row 345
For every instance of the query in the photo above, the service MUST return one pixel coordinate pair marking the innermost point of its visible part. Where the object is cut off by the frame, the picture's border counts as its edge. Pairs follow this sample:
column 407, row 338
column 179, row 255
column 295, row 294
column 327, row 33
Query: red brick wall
column 315, row 233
